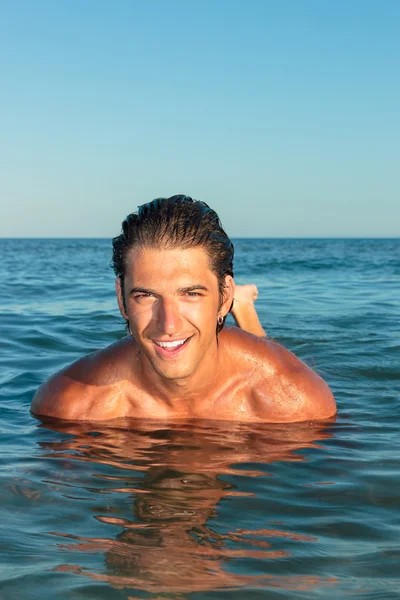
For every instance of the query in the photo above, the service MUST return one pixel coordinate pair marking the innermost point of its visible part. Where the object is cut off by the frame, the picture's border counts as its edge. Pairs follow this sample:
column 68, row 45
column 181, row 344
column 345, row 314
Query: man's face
column 172, row 303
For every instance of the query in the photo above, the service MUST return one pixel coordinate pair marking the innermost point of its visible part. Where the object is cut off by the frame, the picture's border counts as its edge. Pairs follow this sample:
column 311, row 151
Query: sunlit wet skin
column 174, row 365
column 167, row 542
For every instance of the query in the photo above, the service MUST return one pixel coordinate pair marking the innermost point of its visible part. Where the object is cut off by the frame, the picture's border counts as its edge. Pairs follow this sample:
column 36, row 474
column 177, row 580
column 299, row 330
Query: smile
column 171, row 347
column 171, row 344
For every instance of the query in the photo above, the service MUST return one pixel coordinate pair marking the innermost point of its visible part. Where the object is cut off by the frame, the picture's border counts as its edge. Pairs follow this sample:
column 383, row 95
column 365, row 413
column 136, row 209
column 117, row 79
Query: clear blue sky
column 283, row 115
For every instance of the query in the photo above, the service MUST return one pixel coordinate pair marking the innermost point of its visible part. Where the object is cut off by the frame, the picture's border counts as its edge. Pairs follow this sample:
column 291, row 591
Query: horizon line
column 276, row 237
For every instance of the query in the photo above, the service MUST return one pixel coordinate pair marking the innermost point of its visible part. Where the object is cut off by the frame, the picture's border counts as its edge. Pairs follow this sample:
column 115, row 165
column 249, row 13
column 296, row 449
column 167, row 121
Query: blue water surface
column 204, row 509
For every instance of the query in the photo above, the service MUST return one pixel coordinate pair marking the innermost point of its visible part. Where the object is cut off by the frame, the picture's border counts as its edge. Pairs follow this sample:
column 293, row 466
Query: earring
column 220, row 320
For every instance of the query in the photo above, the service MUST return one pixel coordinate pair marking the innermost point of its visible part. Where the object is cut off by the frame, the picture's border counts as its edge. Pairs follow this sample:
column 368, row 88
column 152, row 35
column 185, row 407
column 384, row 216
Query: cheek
column 140, row 316
column 202, row 314
column 191, row 311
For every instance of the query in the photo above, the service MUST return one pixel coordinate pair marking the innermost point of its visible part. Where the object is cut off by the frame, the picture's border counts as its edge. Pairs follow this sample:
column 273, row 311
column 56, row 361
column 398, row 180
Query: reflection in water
column 176, row 476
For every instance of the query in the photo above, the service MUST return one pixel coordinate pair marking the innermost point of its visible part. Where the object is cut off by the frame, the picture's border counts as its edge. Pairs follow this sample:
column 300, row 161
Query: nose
column 168, row 316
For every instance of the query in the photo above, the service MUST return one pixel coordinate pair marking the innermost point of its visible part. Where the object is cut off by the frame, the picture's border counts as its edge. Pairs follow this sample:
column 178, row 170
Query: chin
column 178, row 368
column 171, row 369
column 173, row 373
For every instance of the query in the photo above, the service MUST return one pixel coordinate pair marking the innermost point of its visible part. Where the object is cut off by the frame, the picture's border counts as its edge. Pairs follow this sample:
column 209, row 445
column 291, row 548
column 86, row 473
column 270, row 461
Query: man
column 174, row 268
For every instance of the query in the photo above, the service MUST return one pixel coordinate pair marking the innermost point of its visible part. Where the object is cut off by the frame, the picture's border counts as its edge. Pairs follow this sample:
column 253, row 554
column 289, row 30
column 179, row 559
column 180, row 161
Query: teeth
column 171, row 344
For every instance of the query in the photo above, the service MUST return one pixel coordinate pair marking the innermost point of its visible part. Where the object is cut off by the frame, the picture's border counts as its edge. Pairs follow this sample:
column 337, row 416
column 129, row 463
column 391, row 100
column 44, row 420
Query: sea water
column 204, row 509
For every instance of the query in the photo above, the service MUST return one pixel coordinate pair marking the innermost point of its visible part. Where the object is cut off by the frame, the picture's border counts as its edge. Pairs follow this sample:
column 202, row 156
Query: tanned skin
column 174, row 366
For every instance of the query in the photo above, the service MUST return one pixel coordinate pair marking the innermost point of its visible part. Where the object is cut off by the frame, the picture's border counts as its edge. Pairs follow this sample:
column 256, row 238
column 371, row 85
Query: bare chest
column 233, row 400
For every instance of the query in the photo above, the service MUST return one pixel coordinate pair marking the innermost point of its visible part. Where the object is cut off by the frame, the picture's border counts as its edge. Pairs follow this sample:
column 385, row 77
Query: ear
column 120, row 299
column 229, row 292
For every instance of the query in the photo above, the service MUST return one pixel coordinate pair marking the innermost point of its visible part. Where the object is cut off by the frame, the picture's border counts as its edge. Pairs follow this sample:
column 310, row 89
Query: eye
column 142, row 297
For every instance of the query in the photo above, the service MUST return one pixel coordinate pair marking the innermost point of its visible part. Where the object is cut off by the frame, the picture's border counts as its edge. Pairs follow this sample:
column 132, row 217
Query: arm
column 288, row 390
column 73, row 393
column 59, row 397
column 244, row 312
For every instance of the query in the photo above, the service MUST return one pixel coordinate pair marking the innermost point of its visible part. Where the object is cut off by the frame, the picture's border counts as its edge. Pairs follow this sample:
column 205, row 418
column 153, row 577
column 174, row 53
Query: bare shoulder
column 283, row 388
column 88, row 388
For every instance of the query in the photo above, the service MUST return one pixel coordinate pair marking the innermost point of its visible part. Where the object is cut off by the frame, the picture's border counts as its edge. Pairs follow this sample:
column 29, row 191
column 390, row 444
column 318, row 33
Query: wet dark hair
column 175, row 222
